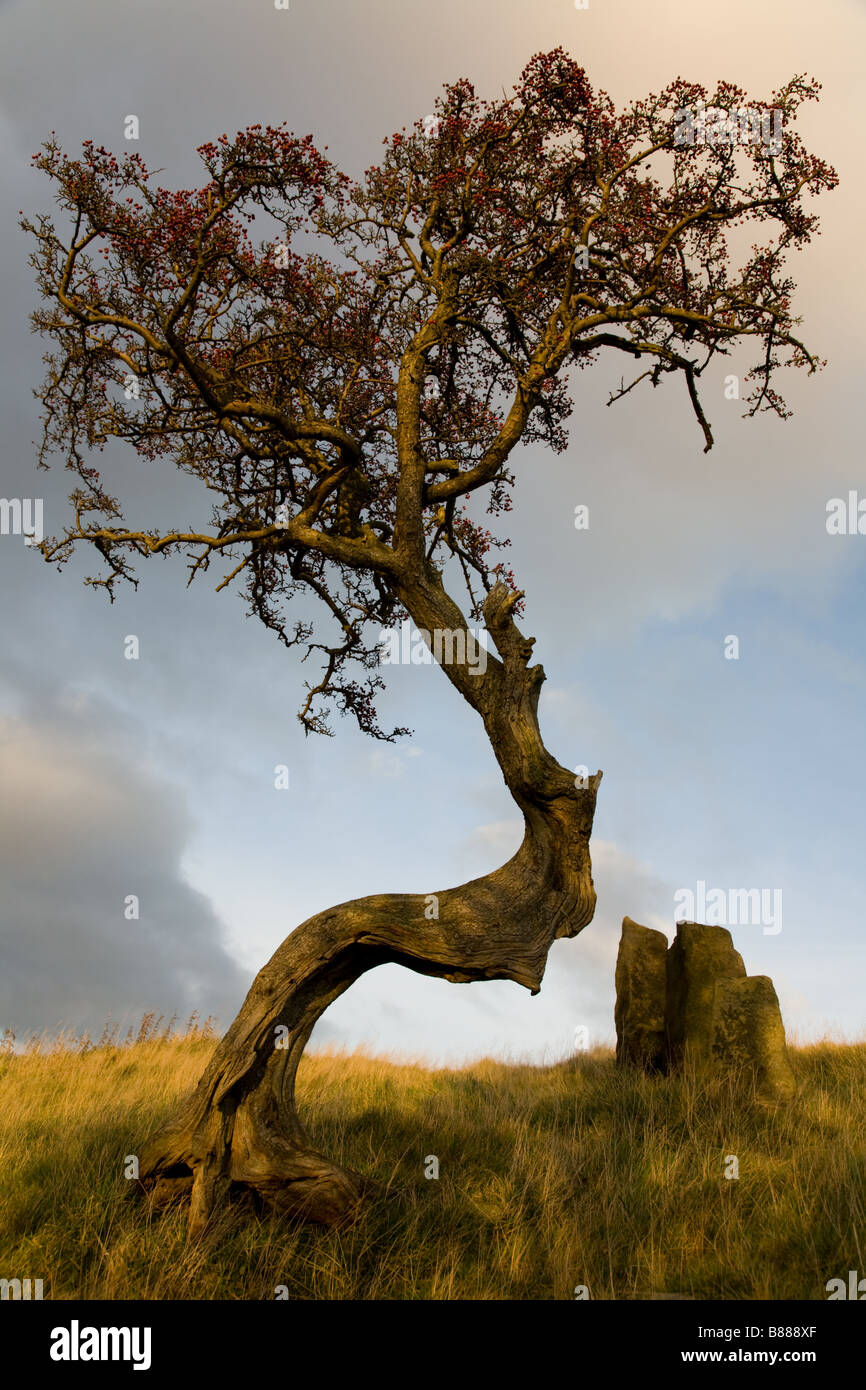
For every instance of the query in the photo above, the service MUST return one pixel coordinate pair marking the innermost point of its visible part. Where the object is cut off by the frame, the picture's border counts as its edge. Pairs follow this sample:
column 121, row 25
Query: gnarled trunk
column 240, row 1126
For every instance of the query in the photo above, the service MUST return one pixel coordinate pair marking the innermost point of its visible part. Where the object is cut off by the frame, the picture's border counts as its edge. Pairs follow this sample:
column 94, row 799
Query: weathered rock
column 748, row 1032
column 641, row 989
column 694, row 1004
column 699, row 958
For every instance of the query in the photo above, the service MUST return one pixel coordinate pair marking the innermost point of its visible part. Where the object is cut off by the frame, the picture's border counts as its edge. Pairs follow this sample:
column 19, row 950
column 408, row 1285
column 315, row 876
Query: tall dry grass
column 549, row 1178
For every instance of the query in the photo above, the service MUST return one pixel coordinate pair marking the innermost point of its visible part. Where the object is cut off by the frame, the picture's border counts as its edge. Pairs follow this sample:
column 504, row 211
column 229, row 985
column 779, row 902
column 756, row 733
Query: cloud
column 81, row 829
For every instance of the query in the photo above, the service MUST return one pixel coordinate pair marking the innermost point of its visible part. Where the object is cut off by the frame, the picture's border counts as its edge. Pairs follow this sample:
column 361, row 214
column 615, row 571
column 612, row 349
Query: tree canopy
column 346, row 382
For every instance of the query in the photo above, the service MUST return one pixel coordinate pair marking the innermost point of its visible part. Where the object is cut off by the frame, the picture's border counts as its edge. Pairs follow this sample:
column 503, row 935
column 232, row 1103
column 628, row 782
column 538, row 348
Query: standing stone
column 748, row 1032
column 698, row 959
column 641, row 986
column 694, row 1004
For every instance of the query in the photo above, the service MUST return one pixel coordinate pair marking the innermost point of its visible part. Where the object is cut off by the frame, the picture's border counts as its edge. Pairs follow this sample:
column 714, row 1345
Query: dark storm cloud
column 83, row 827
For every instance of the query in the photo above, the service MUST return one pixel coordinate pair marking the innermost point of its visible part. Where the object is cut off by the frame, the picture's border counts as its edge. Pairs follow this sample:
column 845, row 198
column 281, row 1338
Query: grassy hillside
column 550, row 1177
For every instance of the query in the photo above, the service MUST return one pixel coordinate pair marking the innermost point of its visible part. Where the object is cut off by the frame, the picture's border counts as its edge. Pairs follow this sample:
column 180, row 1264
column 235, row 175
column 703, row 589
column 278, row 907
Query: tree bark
column 240, row 1127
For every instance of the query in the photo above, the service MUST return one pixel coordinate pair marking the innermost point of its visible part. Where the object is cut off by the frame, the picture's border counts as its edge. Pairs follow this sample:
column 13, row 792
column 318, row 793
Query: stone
column 641, row 988
column 694, row 1004
column 699, row 958
column 748, row 1032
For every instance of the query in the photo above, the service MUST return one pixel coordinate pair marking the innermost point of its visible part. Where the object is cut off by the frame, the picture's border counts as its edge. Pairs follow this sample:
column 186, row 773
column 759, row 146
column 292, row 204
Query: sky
column 155, row 777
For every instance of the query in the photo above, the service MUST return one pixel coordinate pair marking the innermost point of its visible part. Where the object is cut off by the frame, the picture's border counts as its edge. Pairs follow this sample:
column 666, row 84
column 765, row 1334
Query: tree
column 345, row 412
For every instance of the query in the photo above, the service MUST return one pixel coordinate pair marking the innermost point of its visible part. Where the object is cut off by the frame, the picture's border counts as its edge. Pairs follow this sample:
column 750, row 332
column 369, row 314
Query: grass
column 549, row 1177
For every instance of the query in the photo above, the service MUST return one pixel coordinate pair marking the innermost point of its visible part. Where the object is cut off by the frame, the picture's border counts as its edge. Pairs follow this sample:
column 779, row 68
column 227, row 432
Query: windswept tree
column 352, row 414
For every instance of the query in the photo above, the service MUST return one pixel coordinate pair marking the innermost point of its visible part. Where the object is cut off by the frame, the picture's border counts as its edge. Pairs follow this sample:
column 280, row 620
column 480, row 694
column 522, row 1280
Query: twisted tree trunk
column 240, row 1126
